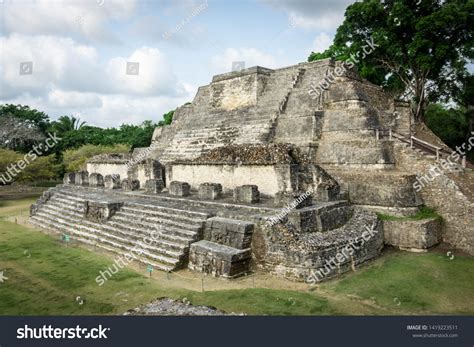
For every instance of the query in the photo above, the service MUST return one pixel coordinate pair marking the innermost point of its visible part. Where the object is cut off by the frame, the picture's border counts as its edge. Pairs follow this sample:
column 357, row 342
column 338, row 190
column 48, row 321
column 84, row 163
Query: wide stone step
column 94, row 231
column 166, row 241
column 177, row 216
column 152, row 222
column 169, row 230
column 71, row 204
column 91, row 239
column 169, row 210
column 69, row 197
column 156, row 265
column 63, row 209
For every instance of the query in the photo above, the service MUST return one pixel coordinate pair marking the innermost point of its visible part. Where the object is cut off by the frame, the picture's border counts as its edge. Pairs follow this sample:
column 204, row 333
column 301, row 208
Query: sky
column 111, row 62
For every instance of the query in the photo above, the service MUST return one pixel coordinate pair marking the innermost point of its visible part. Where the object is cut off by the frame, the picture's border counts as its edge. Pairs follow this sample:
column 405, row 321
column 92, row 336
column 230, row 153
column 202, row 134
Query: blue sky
column 79, row 50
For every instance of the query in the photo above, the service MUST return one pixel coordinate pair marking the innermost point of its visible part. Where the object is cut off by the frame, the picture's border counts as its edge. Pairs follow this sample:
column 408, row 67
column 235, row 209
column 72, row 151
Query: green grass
column 413, row 283
column 424, row 213
column 45, row 277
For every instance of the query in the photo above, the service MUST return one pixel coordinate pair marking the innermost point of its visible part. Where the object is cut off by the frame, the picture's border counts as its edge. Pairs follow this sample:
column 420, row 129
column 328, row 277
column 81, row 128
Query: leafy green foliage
column 422, row 47
column 40, row 168
column 168, row 117
column 23, row 127
column 25, row 113
column 449, row 124
column 75, row 159
column 132, row 135
column 423, row 213
column 67, row 123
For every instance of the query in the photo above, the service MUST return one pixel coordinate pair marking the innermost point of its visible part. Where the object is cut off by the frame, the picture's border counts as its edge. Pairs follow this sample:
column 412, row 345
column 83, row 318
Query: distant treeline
column 24, row 130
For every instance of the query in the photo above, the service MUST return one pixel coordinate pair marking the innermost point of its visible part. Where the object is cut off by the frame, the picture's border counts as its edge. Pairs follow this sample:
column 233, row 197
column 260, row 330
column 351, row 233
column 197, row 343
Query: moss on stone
column 423, row 213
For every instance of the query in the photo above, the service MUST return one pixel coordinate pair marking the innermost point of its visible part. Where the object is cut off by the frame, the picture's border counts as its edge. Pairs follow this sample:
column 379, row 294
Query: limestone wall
column 270, row 179
column 443, row 194
column 235, row 92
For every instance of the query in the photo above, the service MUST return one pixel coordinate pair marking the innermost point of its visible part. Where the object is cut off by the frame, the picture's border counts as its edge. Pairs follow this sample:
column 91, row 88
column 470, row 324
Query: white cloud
column 321, row 42
column 74, row 100
column 155, row 75
column 324, row 15
column 45, row 17
column 56, row 62
column 251, row 56
column 70, row 78
column 61, row 63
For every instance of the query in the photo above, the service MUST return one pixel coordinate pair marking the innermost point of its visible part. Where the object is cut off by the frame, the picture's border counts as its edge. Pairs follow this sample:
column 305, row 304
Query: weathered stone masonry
column 217, row 186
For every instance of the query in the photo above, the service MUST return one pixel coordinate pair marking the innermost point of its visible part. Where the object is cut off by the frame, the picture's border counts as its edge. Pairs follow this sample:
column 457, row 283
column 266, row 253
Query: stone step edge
column 87, row 236
column 159, row 266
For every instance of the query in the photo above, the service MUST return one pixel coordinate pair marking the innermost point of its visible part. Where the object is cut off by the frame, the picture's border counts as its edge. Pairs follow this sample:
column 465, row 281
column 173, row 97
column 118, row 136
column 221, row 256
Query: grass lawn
column 45, row 277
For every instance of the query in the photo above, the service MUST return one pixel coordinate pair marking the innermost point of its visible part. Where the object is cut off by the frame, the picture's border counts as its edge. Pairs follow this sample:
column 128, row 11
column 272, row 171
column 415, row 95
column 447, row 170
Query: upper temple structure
column 267, row 171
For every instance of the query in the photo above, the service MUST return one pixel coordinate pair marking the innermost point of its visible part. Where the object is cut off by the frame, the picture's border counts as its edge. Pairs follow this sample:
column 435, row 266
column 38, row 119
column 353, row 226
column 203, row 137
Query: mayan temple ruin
column 259, row 172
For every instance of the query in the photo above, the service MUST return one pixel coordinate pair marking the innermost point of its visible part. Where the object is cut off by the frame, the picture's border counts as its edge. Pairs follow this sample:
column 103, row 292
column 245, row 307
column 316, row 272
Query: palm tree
column 69, row 123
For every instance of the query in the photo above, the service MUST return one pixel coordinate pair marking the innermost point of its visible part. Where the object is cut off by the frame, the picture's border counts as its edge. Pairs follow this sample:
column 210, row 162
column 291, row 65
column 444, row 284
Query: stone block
column 69, row 178
column 96, row 180
column 210, row 191
column 315, row 218
column 129, row 184
column 218, row 260
column 178, row 188
column 413, row 235
column 293, row 200
column 247, row 194
column 112, row 181
column 154, row 186
column 82, row 178
column 143, row 169
column 100, row 211
column 229, row 232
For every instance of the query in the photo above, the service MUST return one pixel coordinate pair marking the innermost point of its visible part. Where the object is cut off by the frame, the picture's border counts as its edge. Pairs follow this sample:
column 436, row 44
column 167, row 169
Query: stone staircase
column 213, row 130
column 173, row 229
column 299, row 112
column 210, row 128
column 452, row 166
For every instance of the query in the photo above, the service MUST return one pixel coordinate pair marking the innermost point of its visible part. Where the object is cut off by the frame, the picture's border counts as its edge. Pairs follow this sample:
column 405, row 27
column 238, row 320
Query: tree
column 168, row 117
column 36, row 168
column 21, row 127
column 449, row 124
column 27, row 114
column 19, row 134
column 422, row 47
column 75, row 159
column 67, row 123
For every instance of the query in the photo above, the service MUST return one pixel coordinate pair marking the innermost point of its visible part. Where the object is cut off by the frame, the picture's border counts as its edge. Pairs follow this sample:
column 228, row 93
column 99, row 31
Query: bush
column 450, row 124
column 75, row 159
column 40, row 168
